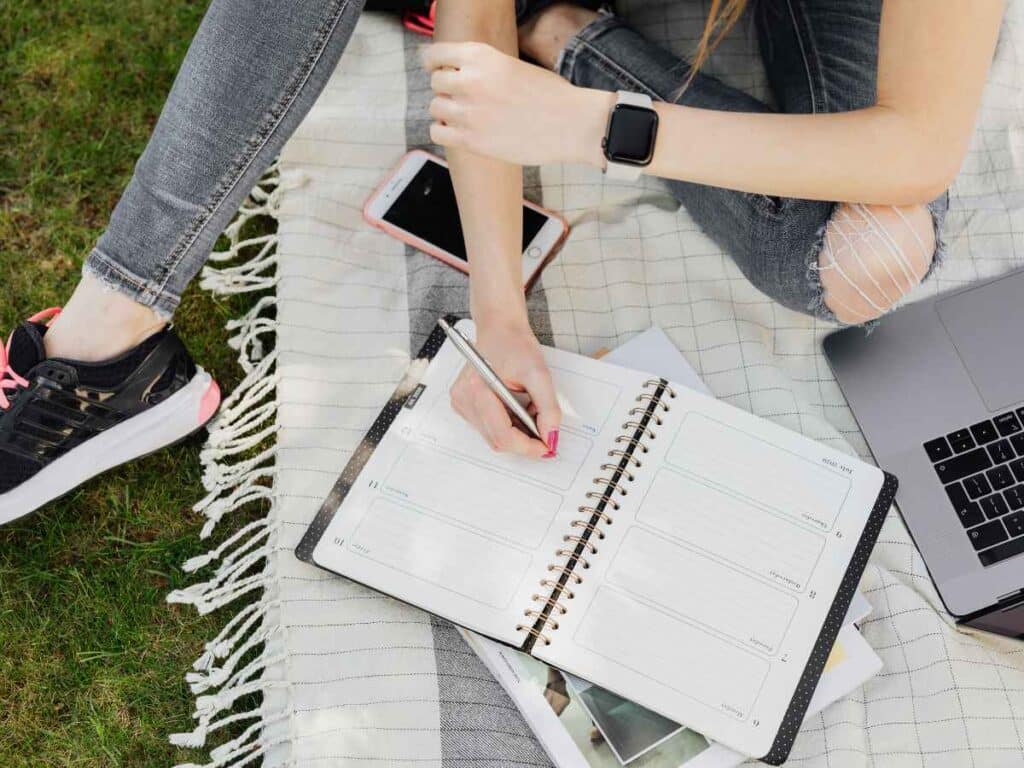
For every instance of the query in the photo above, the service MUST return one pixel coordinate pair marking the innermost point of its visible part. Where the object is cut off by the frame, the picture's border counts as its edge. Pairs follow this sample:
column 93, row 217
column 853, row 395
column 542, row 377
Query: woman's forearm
column 489, row 191
column 873, row 155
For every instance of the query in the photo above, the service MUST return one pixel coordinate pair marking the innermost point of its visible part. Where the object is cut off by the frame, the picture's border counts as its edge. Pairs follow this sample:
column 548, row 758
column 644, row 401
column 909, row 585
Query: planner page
column 710, row 589
column 439, row 520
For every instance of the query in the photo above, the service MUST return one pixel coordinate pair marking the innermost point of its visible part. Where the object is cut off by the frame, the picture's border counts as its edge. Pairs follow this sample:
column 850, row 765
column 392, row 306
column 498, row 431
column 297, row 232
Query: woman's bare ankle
column 543, row 37
column 99, row 323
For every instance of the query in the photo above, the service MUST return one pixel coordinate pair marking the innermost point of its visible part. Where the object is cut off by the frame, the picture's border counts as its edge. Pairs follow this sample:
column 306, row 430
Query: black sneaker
column 63, row 422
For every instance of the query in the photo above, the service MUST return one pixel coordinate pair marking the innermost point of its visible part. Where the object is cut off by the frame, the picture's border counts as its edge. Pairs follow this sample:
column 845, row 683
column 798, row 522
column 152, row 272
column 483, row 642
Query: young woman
column 106, row 380
column 831, row 205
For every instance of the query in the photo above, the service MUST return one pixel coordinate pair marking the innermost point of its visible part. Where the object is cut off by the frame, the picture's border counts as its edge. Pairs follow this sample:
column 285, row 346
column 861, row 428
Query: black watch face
column 631, row 132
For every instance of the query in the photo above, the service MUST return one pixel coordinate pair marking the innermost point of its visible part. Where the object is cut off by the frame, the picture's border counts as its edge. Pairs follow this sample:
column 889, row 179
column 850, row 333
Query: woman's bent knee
column 872, row 256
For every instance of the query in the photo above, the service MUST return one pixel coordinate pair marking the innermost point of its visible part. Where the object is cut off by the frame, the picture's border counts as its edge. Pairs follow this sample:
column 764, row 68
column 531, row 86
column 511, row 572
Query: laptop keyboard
column 982, row 469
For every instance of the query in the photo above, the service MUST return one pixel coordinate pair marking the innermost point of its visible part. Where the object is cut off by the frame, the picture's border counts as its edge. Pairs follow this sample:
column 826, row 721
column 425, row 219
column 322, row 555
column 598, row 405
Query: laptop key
column 1001, row 552
column 968, row 511
column 938, row 449
column 984, row 432
column 1000, row 478
column 977, row 486
column 957, row 495
column 970, row 515
column 1007, row 424
column 1015, row 497
column 961, row 440
column 963, row 465
column 994, row 506
column 987, row 535
column 1017, row 468
column 1001, row 452
column 1018, row 444
column 1014, row 523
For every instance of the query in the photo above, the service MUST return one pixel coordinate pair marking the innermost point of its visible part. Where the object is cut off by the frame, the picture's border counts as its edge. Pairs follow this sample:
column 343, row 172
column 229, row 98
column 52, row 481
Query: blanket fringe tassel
column 238, row 471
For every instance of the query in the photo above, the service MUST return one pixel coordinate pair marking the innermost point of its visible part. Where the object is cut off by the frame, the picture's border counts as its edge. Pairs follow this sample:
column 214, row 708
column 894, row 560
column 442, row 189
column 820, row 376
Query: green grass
column 91, row 657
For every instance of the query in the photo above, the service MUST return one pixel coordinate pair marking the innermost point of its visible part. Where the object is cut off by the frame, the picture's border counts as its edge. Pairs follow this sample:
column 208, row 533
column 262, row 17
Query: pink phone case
column 429, row 248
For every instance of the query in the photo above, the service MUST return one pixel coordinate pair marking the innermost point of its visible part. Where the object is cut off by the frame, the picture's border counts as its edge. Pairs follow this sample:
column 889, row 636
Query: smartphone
column 416, row 204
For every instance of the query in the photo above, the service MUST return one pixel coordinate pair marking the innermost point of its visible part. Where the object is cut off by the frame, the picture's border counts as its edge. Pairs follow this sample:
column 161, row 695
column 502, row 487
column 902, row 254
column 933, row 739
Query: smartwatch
column 629, row 140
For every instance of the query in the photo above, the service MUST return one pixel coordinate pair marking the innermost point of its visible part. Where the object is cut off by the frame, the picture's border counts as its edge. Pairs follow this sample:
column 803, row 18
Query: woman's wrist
column 507, row 313
column 588, row 109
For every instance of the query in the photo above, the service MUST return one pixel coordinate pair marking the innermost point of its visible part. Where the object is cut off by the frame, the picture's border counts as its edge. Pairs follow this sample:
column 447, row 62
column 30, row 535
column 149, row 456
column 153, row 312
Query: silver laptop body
column 951, row 367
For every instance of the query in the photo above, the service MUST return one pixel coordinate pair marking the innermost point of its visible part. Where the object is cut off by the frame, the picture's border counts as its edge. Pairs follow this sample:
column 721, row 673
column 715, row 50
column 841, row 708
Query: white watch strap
column 625, row 171
column 634, row 99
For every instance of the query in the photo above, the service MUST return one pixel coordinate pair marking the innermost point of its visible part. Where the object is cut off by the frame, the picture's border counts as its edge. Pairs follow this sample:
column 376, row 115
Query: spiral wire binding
column 607, row 483
column 633, row 442
column 615, row 468
column 596, row 516
column 629, row 457
column 594, row 511
column 643, row 412
column 582, row 542
column 603, row 498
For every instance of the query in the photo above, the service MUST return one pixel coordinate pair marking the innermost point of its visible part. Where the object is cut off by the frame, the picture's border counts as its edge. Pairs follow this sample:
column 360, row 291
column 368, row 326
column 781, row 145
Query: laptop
column 938, row 391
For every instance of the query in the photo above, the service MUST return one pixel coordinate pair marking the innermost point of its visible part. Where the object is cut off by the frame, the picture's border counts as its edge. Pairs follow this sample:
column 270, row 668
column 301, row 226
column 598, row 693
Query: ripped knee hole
column 872, row 256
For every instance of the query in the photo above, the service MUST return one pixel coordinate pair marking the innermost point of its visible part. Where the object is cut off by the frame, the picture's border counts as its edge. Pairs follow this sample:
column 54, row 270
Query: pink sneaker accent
column 49, row 315
column 210, row 403
column 9, row 378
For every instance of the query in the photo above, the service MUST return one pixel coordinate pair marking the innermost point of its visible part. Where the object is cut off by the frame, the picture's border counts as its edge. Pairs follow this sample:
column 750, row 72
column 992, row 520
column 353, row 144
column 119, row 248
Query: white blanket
column 349, row 678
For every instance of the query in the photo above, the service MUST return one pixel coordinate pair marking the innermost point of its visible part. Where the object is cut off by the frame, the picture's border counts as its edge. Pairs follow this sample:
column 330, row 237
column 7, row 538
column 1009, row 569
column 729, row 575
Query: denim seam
column 566, row 63
column 113, row 275
column 799, row 31
column 254, row 146
column 604, row 22
column 615, row 70
column 809, row 55
column 108, row 263
column 583, row 41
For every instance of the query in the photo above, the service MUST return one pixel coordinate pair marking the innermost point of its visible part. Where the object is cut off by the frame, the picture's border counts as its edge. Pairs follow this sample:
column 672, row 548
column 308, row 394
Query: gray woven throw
column 312, row 670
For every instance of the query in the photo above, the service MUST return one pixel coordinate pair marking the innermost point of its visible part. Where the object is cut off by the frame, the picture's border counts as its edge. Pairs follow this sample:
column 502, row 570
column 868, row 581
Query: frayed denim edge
column 114, row 277
column 938, row 208
column 817, row 306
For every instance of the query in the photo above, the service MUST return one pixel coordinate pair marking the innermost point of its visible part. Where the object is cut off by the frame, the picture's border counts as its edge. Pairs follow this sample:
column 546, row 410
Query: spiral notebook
column 678, row 551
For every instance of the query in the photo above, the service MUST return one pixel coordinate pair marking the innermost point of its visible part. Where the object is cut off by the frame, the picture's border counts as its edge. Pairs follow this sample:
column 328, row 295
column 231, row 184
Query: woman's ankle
column 544, row 36
column 99, row 323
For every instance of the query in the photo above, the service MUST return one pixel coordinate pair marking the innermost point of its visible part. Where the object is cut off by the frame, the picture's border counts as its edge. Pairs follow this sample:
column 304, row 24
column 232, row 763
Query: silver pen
column 493, row 381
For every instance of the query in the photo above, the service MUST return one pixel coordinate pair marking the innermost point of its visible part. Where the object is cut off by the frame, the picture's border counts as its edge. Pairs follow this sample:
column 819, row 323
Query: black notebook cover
column 797, row 709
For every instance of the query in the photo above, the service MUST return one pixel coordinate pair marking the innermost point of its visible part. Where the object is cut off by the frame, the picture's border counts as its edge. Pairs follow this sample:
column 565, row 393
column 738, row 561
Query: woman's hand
column 493, row 104
column 514, row 353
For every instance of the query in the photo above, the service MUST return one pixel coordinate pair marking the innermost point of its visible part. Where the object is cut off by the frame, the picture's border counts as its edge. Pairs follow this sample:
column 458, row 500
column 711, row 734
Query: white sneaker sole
column 185, row 412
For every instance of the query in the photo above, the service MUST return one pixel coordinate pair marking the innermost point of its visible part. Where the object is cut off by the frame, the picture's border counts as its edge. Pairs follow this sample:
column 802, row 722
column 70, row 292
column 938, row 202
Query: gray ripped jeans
column 252, row 72
column 255, row 68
